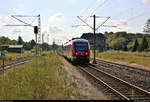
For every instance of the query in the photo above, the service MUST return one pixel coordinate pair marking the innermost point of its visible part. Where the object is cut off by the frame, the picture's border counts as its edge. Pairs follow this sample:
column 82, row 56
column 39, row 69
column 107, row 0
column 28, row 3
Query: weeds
column 36, row 80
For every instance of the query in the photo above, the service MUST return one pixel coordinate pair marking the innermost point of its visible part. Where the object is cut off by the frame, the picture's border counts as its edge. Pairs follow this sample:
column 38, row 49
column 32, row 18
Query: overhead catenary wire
column 97, row 8
column 22, row 21
column 128, row 10
column 88, row 7
column 94, row 10
column 137, row 16
column 33, row 20
column 140, row 15
column 91, row 3
column 132, row 10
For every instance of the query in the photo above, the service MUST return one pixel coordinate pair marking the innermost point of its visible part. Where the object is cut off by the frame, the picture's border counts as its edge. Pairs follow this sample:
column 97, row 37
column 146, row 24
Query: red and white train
column 77, row 50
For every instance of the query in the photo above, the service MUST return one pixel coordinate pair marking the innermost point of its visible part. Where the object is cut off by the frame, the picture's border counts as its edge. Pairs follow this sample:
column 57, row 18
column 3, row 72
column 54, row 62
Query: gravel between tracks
column 131, row 76
column 125, row 63
column 86, row 90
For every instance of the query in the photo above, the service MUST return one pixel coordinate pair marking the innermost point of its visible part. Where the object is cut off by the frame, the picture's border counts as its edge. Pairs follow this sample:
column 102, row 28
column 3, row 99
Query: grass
column 125, row 57
column 38, row 79
column 12, row 56
column 129, row 52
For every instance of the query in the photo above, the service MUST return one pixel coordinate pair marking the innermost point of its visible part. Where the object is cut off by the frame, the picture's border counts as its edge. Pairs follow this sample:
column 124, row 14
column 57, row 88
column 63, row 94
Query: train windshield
column 81, row 46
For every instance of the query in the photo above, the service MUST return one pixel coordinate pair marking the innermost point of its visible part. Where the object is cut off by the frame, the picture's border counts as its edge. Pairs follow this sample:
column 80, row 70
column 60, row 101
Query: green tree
column 4, row 40
column 54, row 46
column 135, row 46
column 144, row 45
column 27, row 46
column 118, row 43
column 32, row 44
column 20, row 41
column 125, row 48
column 45, row 47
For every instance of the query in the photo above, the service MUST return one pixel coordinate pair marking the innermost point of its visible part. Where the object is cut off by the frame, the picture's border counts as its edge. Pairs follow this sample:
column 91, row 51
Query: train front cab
column 79, row 56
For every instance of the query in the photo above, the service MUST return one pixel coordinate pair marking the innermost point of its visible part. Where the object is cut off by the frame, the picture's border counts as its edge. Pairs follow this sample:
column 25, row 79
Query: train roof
column 75, row 40
column 78, row 40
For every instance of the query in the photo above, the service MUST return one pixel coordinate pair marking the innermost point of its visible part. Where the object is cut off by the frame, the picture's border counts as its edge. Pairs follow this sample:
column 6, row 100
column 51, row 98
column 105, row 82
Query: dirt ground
column 86, row 90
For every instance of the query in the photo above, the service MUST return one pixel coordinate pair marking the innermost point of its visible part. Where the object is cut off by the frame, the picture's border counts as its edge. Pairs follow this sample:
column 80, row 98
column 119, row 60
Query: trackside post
column 3, row 57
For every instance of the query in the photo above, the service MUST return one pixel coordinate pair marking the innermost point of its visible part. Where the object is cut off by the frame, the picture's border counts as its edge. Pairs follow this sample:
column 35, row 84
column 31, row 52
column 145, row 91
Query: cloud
column 121, row 25
column 7, row 18
column 16, row 31
column 145, row 1
column 55, row 29
column 56, row 24
column 58, row 18
column 2, row 24
column 123, row 22
column 20, row 9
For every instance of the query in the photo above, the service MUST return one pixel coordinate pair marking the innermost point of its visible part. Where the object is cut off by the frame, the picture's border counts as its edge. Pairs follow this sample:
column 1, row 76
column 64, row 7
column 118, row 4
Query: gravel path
column 86, row 90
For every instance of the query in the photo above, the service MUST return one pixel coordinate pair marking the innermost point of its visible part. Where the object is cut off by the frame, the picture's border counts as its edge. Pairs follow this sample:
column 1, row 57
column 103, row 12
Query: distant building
column 4, row 47
column 100, row 40
column 13, row 48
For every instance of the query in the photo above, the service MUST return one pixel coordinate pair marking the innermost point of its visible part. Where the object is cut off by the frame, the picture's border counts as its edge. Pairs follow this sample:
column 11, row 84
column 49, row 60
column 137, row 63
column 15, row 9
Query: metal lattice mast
column 39, row 31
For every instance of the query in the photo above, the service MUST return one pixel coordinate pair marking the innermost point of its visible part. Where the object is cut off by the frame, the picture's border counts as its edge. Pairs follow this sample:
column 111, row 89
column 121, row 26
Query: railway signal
column 37, row 29
column 36, row 32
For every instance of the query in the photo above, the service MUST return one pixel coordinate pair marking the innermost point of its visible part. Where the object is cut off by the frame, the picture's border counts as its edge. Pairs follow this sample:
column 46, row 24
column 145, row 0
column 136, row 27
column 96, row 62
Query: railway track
column 118, row 87
column 16, row 62
column 134, row 69
column 136, row 76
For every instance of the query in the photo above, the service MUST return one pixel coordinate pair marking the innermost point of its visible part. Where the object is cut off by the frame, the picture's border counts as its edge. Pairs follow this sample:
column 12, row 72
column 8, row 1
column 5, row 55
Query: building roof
column 91, row 35
column 15, row 46
column 12, row 46
column 4, row 45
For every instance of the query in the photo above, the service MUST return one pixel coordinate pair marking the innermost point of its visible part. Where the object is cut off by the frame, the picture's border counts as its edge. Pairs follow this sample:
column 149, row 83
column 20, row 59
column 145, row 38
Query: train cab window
column 81, row 46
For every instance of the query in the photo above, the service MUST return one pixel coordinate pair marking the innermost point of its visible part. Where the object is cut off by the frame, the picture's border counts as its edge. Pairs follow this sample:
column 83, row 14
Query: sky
column 58, row 17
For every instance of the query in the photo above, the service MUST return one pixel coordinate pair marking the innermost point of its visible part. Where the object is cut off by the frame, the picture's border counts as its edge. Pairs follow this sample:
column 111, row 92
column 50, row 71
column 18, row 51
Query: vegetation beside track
column 14, row 56
column 128, row 57
column 41, row 78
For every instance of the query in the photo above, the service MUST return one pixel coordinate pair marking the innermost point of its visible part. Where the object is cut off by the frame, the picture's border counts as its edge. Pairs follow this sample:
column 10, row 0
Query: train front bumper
column 81, row 59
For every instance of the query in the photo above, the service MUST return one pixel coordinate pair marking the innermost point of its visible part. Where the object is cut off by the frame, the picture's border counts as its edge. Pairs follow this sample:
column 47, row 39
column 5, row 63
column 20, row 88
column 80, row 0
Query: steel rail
column 139, row 90
column 121, row 65
column 16, row 62
column 117, row 93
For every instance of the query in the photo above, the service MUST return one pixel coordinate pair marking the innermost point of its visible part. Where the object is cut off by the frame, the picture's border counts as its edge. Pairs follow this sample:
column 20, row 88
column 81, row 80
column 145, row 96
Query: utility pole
column 39, row 32
column 47, row 38
column 94, row 61
column 94, row 30
column 42, row 41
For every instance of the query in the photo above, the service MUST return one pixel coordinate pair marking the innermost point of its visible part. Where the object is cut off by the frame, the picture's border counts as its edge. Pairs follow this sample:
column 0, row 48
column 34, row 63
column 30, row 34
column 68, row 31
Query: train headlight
column 86, row 53
column 77, row 53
